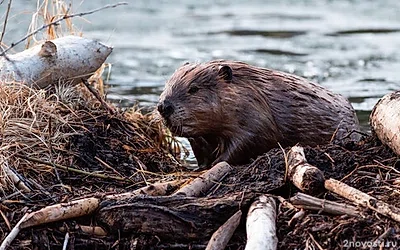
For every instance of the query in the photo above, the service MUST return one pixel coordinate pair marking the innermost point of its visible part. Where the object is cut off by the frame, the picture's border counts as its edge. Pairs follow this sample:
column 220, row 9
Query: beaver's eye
column 193, row 89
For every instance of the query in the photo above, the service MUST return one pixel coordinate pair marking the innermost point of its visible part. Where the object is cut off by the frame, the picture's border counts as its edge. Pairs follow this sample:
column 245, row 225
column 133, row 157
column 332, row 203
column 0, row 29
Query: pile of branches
column 62, row 142
column 77, row 172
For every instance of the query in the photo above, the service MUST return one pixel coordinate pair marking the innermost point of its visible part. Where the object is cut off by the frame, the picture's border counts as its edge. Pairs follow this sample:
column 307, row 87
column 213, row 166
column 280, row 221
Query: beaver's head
column 191, row 101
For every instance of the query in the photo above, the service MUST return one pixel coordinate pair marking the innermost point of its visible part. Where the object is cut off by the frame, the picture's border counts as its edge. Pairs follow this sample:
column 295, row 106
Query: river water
column 351, row 47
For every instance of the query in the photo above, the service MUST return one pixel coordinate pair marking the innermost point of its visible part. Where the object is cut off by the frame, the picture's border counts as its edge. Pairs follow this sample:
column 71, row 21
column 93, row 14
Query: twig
column 66, row 239
column 107, row 165
column 5, row 21
column 286, row 162
column 74, row 169
column 5, row 219
column 55, row 22
column 315, row 242
column 51, row 153
column 98, row 97
column 142, row 168
column 14, row 232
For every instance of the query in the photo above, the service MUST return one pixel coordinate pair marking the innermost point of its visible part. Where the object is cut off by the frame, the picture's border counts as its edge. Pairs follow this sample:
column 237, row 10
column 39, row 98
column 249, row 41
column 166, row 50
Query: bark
column 68, row 58
column 172, row 218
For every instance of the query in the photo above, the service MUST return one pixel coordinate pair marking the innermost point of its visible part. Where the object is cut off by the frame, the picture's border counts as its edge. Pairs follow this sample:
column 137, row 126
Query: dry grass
column 46, row 12
column 57, row 125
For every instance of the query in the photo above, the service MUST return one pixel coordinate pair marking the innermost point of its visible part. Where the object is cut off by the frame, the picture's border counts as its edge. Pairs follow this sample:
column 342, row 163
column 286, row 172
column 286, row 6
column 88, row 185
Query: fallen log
column 261, row 224
column 363, row 199
column 304, row 201
column 172, row 218
column 204, row 182
column 304, row 176
column 221, row 237
column 68, row 59
column 385, row 120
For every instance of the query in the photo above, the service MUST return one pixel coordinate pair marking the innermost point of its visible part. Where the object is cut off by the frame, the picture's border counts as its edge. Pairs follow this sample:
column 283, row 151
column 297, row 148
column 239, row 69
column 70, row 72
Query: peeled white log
column 363, row 199
column 68, row 58
column 385, row 120
column 202, row 184
column 304, row 176
column 261, row 225
column 221, row 237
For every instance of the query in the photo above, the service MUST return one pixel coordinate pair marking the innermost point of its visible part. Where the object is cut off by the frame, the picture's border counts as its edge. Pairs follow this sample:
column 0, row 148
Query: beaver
column 232, row 111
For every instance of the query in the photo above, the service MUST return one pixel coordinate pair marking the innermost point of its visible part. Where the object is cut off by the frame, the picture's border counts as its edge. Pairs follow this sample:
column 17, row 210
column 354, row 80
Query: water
column 351, row 47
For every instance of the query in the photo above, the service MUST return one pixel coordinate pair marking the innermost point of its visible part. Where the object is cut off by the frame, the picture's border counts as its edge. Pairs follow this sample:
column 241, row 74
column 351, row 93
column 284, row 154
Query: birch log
column 304, row 176
column 363, row 199
column 202, row 184
column 68, row 58
column 261, row 225
column 385, row 120
column 221, row 237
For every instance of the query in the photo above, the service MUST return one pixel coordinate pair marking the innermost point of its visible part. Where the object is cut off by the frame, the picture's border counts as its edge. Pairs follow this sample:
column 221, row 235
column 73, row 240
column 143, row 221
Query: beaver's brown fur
column 232, row 111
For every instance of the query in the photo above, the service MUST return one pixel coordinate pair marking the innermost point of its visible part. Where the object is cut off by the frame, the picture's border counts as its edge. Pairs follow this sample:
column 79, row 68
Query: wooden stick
column 156, row 189
column 304, row 176
column 5, row 22
column 93, row 230
column 260, row 225
column 221, row 237
column 14, row 232
column 97, row 231
column 96, row 93
column 204, row 182
column 305, row 201
column 61, row 211
column 66, row 239
column 362, row 199
column 14, row 177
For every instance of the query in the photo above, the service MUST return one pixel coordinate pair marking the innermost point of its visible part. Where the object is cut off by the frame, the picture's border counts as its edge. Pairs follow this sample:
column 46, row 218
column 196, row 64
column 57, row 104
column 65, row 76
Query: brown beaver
column 232, row 111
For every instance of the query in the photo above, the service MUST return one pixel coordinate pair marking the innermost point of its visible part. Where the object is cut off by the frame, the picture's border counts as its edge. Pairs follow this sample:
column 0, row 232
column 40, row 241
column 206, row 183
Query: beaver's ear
column 225, row 72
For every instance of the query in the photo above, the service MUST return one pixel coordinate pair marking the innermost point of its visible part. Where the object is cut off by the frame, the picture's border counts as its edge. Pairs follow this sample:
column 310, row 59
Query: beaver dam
column 81, row 173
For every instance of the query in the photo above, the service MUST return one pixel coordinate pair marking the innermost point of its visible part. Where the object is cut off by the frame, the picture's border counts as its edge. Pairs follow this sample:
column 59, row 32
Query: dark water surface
column 351, row 47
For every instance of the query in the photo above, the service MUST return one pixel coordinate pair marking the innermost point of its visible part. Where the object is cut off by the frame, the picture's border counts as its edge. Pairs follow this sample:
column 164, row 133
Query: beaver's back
column 302, row 111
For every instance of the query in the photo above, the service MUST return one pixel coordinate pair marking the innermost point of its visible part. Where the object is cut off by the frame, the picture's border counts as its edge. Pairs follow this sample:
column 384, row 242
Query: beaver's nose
column 165, row 108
